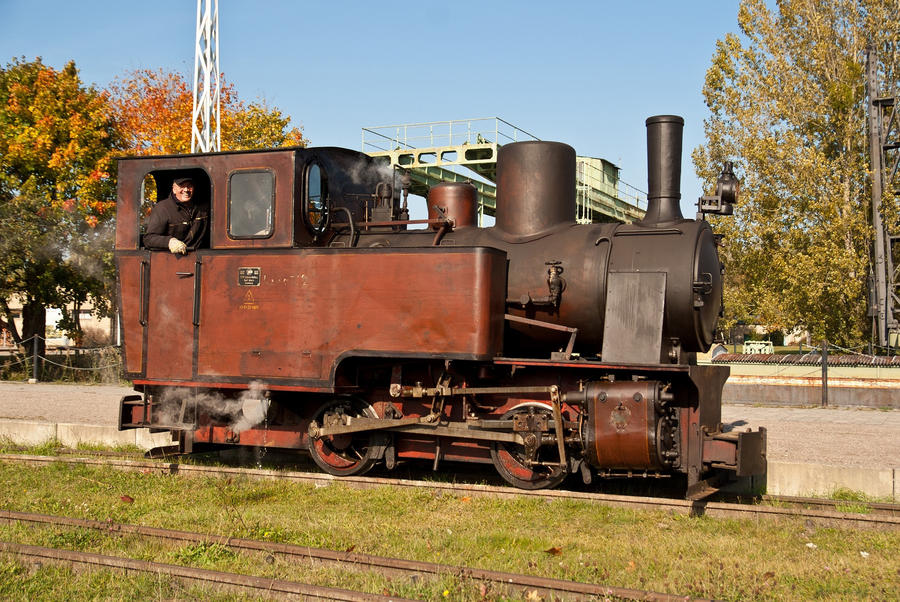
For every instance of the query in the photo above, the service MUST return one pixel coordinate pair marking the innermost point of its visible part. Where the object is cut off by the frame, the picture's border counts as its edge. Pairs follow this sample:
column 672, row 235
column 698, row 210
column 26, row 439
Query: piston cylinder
column 456, row 201
column 535, row 187
column 626, row 426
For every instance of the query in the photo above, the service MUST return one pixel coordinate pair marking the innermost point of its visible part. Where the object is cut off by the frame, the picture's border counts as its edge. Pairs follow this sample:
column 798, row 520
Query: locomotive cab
column 244, row 308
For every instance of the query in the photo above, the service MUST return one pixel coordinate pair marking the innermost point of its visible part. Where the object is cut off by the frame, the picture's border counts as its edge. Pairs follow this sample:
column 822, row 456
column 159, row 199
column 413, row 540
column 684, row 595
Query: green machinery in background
column 433, row 152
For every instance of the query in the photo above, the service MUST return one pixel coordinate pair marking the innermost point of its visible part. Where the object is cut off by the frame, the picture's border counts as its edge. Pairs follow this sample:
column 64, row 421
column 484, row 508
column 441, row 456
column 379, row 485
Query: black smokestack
column 663, row 169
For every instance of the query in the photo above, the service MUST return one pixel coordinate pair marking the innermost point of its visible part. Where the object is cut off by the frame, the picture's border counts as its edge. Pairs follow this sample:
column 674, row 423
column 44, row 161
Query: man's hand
column 176, row 246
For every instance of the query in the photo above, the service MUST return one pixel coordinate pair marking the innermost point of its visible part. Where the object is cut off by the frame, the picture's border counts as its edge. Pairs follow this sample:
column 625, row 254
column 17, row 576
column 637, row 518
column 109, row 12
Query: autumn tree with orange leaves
column 57, row 181
column 56, row 191
column 152, row 109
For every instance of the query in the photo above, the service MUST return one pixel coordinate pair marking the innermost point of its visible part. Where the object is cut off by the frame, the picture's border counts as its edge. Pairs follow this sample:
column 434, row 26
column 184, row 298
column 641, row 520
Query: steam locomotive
column 317, row 319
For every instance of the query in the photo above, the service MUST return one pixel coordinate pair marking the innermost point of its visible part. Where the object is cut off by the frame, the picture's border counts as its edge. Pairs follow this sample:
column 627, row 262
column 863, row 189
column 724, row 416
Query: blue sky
column 584, row 73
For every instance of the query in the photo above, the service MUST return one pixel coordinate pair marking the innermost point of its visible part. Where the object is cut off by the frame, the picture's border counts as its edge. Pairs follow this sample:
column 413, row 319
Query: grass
column 723, row 559
column 854, row 501
column 54, row 447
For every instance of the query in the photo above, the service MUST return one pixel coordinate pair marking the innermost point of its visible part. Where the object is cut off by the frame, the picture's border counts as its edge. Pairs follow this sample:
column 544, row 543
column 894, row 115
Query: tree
column 56, row 143
column 787, row 103
column 153, row 111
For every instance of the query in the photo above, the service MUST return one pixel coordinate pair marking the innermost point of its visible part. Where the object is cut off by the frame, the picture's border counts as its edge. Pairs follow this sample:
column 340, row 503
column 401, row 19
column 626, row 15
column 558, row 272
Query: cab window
column 316, row 201
column 251, row 204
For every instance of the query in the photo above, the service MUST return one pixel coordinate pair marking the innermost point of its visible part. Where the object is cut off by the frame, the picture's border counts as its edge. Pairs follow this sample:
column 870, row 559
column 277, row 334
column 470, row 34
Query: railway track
column 261, row 585
column 514, row 583
column 820, row 511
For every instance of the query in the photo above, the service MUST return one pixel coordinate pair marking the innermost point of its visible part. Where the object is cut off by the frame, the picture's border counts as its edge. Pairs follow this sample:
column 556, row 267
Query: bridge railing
column 482, row 130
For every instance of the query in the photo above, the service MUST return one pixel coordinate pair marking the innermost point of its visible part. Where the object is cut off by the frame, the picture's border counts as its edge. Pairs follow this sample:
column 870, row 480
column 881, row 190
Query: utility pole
column 204, row 136
column 883, row 135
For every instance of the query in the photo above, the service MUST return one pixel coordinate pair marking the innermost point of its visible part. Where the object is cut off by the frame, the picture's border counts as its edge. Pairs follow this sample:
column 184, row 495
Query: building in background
column 95, row 331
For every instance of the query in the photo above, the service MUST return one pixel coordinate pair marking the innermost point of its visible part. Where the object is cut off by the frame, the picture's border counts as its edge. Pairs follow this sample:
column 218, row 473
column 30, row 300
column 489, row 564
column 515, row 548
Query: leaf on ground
column 533, row 596
column 554, row 551
column 127, row 499
column 465, row 498
column 631, row 565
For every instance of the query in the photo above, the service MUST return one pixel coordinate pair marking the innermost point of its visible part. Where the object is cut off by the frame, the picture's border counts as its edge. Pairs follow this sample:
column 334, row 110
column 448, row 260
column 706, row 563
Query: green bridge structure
column 433, row 152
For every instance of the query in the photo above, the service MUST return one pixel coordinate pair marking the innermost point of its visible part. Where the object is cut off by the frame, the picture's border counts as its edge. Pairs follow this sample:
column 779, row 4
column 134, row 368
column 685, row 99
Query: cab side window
column 251, row 204
column 316, row 199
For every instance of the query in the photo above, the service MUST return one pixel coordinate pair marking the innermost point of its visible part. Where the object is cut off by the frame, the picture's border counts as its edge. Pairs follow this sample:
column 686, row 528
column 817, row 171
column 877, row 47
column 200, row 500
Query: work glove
column 176, row 246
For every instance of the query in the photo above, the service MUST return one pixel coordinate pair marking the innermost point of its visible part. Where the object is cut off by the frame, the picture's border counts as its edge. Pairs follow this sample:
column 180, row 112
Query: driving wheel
column 510, row 459
column 343, row 454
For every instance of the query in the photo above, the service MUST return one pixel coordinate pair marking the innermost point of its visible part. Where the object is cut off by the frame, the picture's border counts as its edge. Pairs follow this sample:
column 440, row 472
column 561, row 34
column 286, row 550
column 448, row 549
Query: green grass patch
column 53, row 447
column 856, row 502
column 100, row 447
column 660, row 551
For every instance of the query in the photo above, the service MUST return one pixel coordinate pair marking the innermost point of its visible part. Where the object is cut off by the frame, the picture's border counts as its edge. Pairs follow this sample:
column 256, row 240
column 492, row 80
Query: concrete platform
column 811, row 451
column 23, row 432
column 796, row 385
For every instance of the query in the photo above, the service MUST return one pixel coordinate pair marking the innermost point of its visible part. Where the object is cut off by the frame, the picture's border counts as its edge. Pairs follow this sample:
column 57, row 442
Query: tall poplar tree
column 787, row 104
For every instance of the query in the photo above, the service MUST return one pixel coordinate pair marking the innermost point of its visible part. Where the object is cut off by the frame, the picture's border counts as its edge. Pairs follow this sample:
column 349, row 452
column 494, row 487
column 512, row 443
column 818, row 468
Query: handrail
column 492, row 130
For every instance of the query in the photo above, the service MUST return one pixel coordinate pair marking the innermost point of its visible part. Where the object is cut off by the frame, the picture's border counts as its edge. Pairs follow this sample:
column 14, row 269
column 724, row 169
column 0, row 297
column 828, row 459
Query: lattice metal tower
column 884, row 144
column 205, row 117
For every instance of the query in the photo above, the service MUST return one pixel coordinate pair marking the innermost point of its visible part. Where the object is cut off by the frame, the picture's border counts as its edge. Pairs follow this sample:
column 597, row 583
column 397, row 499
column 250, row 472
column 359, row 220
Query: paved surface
column 861, row 437
column 77, row 404
column 833, row 436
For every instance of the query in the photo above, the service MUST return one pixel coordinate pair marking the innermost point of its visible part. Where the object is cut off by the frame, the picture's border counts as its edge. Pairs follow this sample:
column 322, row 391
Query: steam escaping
column 365, row 171
column 178, row 407
column 254, row 407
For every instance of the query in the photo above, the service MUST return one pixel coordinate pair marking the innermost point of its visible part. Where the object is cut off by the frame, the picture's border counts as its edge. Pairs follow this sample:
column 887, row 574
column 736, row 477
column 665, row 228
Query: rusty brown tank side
column 294, row 316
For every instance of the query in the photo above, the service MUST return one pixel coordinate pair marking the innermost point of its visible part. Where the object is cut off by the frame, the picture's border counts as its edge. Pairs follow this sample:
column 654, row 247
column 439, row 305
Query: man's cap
column 181, row 181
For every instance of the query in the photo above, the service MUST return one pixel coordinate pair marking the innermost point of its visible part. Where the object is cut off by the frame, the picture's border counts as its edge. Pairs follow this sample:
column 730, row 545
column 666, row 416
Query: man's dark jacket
column 188, row 222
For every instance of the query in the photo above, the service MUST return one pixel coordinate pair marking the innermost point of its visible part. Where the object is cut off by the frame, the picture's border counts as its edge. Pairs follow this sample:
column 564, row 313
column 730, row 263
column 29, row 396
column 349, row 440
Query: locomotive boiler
column 318, row 319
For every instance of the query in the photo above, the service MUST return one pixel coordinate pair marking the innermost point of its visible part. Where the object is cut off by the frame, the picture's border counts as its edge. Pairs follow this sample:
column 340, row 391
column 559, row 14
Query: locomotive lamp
column 727, row 187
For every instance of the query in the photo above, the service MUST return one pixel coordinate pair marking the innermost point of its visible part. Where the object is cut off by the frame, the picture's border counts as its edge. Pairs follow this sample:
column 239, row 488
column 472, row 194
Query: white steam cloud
column 364, row 171
column 245, row 411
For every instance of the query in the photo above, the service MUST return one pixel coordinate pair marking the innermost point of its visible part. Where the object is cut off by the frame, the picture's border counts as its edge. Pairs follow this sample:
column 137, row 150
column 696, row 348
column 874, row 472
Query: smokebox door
column 632, row 330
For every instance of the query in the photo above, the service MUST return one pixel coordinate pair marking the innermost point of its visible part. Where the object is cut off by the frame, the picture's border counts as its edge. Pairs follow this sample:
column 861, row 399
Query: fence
column 75, row 364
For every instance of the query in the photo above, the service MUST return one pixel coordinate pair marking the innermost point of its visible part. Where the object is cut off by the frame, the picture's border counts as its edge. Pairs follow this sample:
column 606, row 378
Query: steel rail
column 260, row 584
column 881, row 508
column 678, row 506
column 543, row 585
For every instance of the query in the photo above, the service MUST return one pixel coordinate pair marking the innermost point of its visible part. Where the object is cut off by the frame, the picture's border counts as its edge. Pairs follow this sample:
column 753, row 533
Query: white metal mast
column 204, row 136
